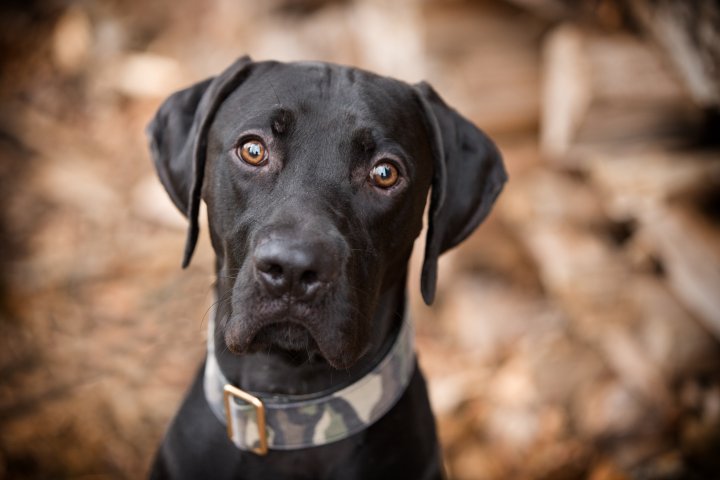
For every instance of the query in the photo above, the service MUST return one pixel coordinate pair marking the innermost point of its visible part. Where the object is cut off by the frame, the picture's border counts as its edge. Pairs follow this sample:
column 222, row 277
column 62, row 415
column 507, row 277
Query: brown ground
column 560, row 345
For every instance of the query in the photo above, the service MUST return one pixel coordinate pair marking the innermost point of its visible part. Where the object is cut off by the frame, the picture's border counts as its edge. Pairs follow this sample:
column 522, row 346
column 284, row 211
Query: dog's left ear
column 468, row 176
column 178, row 140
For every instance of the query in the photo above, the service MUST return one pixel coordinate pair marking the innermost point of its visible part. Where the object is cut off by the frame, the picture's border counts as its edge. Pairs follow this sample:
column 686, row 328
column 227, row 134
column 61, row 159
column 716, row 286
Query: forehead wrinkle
column 281, row 120
column 362, row 140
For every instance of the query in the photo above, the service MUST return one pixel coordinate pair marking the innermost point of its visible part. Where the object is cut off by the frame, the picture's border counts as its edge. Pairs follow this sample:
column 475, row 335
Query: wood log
column 606, row 88
column 566, row 90
column 689, row 33
column 647, row 187
column 689, row 248
column 634, row 181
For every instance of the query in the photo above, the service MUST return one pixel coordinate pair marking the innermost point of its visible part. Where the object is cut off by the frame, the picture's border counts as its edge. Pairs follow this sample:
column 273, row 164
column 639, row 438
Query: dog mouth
column 289, row 338
column 322, row 332
column 294, row 340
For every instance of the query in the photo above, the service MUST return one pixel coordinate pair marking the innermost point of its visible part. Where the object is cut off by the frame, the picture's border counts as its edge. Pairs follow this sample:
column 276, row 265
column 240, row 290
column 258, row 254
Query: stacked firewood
column 587, row 311
column 575, row 335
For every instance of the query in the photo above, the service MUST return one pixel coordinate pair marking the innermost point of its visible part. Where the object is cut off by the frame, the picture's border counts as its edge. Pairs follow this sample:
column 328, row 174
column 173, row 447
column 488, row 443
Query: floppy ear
column 469, row 175
column 178, row 140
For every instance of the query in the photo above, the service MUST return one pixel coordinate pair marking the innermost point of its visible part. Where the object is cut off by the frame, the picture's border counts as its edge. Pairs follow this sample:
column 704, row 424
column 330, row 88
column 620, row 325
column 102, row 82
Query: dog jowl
column 315, row 178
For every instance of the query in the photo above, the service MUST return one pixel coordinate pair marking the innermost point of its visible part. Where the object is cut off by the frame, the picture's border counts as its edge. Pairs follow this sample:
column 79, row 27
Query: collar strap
column 258, row 422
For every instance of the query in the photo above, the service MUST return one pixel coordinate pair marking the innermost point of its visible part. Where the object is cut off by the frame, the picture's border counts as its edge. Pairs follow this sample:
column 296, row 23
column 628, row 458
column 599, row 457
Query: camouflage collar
column 259, row 423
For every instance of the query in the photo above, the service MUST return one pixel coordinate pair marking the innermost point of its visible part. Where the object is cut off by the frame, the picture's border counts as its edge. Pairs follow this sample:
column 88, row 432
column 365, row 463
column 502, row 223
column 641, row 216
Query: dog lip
column 241, row 335
column 285, row 332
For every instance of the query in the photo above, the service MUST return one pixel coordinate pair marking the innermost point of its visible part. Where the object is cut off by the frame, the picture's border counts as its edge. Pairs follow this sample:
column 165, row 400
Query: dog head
column 315, row 177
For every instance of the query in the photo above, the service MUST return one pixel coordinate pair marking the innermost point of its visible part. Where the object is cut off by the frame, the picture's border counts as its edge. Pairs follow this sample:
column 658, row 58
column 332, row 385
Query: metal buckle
column 230, row 391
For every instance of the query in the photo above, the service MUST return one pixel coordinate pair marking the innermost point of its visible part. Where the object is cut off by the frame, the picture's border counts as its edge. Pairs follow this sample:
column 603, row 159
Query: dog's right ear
column 178, row 141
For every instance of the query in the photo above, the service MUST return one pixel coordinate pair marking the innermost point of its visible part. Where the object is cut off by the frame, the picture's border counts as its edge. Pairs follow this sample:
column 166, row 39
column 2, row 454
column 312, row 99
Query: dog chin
column 290, row 340
column 293, row 342
column 285, row 336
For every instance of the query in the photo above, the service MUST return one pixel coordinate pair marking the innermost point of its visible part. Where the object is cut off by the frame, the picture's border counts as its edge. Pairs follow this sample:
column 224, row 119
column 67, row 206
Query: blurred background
column 575, row 334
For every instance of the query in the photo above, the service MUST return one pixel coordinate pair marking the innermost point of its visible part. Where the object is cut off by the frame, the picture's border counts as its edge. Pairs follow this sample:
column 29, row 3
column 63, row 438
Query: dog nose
column 291, row 266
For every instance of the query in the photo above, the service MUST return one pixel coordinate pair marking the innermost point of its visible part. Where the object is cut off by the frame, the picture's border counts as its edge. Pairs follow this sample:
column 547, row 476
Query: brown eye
column 384, row 175
column 252, row 152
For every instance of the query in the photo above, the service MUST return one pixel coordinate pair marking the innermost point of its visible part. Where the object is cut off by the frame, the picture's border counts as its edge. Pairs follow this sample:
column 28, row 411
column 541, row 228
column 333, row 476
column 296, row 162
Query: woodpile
column 610, row 369
column 575, row 335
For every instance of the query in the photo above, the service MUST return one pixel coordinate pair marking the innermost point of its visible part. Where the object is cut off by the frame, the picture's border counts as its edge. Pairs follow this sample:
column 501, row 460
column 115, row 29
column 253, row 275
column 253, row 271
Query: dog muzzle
column 258, row 422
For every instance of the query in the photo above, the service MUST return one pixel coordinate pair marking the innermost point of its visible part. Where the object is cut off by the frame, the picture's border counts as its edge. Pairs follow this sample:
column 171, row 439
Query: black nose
column 292, row 266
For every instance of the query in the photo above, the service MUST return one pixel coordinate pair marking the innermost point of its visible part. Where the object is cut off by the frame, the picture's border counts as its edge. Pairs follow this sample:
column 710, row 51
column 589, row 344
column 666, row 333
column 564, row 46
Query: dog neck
column 274, row 373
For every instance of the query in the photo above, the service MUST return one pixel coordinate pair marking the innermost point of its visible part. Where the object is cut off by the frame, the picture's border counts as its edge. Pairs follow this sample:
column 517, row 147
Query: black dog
column 315, row 178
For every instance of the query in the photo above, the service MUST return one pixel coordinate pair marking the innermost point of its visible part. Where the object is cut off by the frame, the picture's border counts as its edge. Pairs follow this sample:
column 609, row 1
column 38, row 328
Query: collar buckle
column 230, row 392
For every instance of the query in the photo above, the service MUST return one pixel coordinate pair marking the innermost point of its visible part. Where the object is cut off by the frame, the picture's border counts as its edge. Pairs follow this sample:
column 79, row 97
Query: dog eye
column 252, row 152
column 384, row 175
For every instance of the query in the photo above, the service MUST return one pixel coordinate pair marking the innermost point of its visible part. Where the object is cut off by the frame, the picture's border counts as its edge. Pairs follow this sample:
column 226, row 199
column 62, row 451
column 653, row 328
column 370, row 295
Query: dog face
column 315, row 185
column 315, row 177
